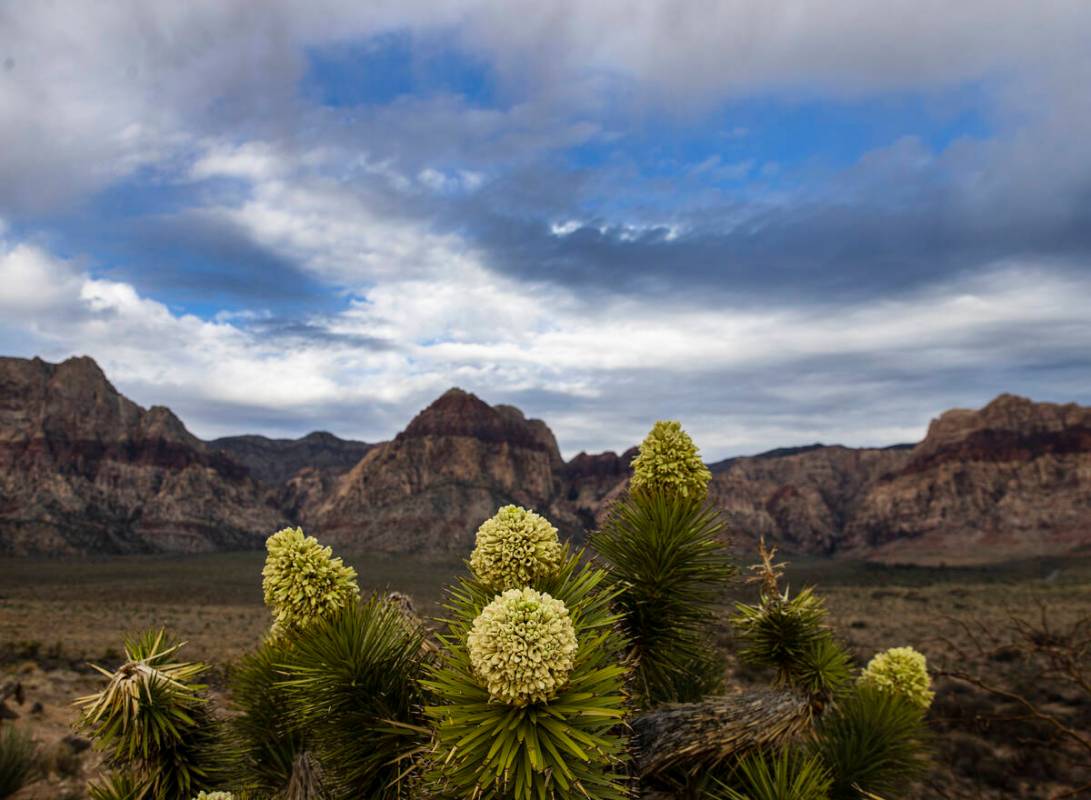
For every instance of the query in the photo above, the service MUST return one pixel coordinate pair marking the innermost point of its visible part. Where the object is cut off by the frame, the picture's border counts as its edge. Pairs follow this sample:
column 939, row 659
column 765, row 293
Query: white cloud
column 617, row 362
column 208, row 89
column 96, row 91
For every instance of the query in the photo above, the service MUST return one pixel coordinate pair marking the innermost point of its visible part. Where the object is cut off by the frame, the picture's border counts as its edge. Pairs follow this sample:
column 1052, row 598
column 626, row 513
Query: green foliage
column 17, row 760
column 669, row 464
column 528, row 696
column 302, row 581
column 152, row 721
column 352, row 684
column 567, row 746
column 784, row 774
column 901, row 670
column 117, row 786
column 514, row 548
column 789, row 635
column 263, row 731
column 872, row 742
column 665, row 555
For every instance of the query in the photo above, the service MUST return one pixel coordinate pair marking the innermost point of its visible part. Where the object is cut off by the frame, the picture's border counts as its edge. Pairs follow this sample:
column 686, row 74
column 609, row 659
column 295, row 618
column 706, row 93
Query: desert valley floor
column 58, row 615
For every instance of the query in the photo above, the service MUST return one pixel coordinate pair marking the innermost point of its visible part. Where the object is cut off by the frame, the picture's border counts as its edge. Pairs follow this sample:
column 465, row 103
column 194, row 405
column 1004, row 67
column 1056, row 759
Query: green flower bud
column 514, row 548
column 669, row 462
column 523, row 646
column 302, row 580
column 903, row 671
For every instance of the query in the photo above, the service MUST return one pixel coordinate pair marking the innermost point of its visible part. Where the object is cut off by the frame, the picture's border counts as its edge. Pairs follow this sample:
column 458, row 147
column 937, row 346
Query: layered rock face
column 450, row 469
column 83, row 469
column 800, row 498
column 590, row 483
column 1009, row 480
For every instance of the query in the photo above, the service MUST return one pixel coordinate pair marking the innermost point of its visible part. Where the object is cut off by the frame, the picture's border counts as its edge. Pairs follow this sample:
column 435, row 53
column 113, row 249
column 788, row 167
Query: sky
column 779, row 223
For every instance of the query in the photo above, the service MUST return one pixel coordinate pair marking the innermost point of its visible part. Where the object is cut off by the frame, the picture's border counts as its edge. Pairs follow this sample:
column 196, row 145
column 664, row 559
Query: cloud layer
column 777, row 224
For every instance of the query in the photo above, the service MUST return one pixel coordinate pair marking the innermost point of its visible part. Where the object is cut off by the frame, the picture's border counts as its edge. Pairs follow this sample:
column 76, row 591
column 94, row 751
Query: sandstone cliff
column 1010, row 480
column 800, row 498
column 449, row 470
column 83, row 469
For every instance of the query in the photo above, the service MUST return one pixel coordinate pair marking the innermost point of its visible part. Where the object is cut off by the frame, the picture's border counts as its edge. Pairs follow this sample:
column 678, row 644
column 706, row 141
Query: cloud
column 743, row 380
column 548, row 244
column 90, row 94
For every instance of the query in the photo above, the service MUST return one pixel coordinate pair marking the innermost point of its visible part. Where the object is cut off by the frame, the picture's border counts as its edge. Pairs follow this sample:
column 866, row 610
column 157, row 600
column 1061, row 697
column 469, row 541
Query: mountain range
column 85, row 470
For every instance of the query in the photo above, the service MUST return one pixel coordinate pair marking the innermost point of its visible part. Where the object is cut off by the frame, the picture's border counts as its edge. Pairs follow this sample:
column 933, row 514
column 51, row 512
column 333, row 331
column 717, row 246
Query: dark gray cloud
column 886, row 225
column 198, row 257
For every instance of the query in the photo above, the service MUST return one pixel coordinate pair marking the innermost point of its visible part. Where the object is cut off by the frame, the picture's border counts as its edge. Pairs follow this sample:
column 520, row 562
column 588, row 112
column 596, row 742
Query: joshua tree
column 556, row 673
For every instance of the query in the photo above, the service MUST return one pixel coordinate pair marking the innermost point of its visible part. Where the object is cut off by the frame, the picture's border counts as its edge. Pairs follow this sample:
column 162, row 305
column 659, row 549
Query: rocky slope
column 429, row 488
column 84, row 469
column 275, row 461
column 1009, row 480
column 800, row 498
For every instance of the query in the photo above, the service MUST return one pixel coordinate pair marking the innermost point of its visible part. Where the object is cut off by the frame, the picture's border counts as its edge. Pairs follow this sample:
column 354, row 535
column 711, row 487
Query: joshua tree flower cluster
column 554, row 674
column 515, row 548
column 669, row 462
column 302, row 580
column 523, row 645
column 901, row 671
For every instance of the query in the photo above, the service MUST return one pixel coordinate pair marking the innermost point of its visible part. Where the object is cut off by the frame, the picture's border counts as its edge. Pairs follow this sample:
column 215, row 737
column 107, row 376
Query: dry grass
column 56, row 615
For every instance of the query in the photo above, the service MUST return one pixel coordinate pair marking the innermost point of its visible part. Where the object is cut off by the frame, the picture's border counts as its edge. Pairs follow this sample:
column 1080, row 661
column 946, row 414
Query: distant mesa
column 85, row 470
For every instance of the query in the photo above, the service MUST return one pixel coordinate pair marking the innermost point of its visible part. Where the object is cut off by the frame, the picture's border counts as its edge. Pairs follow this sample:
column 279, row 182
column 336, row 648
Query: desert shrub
column 117, row 785
column 356, row 674
column 335, row 669
column 153, row 723
column 61, row 758
column 17, row 760
column 871, row 741
column 789, row 635
column 786, row 774
column 504, row 731
column 663, row 547
column 268, row 743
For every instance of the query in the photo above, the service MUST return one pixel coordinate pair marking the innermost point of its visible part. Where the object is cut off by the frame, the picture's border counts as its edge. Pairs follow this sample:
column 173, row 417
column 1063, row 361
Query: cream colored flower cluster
column 215, row 796
column 302, row 580
column 669, row 462
column 903, row 671
column 523, row 646
column 514, row 548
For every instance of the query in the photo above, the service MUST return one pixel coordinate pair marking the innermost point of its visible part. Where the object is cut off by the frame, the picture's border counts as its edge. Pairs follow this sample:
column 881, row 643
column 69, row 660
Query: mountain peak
column 455, row 413
column 460, row 413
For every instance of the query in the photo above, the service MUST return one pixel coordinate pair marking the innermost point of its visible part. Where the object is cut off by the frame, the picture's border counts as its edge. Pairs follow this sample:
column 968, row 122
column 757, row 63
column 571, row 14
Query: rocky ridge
column 431, row 486
column 275, row 461
column 82, row 469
